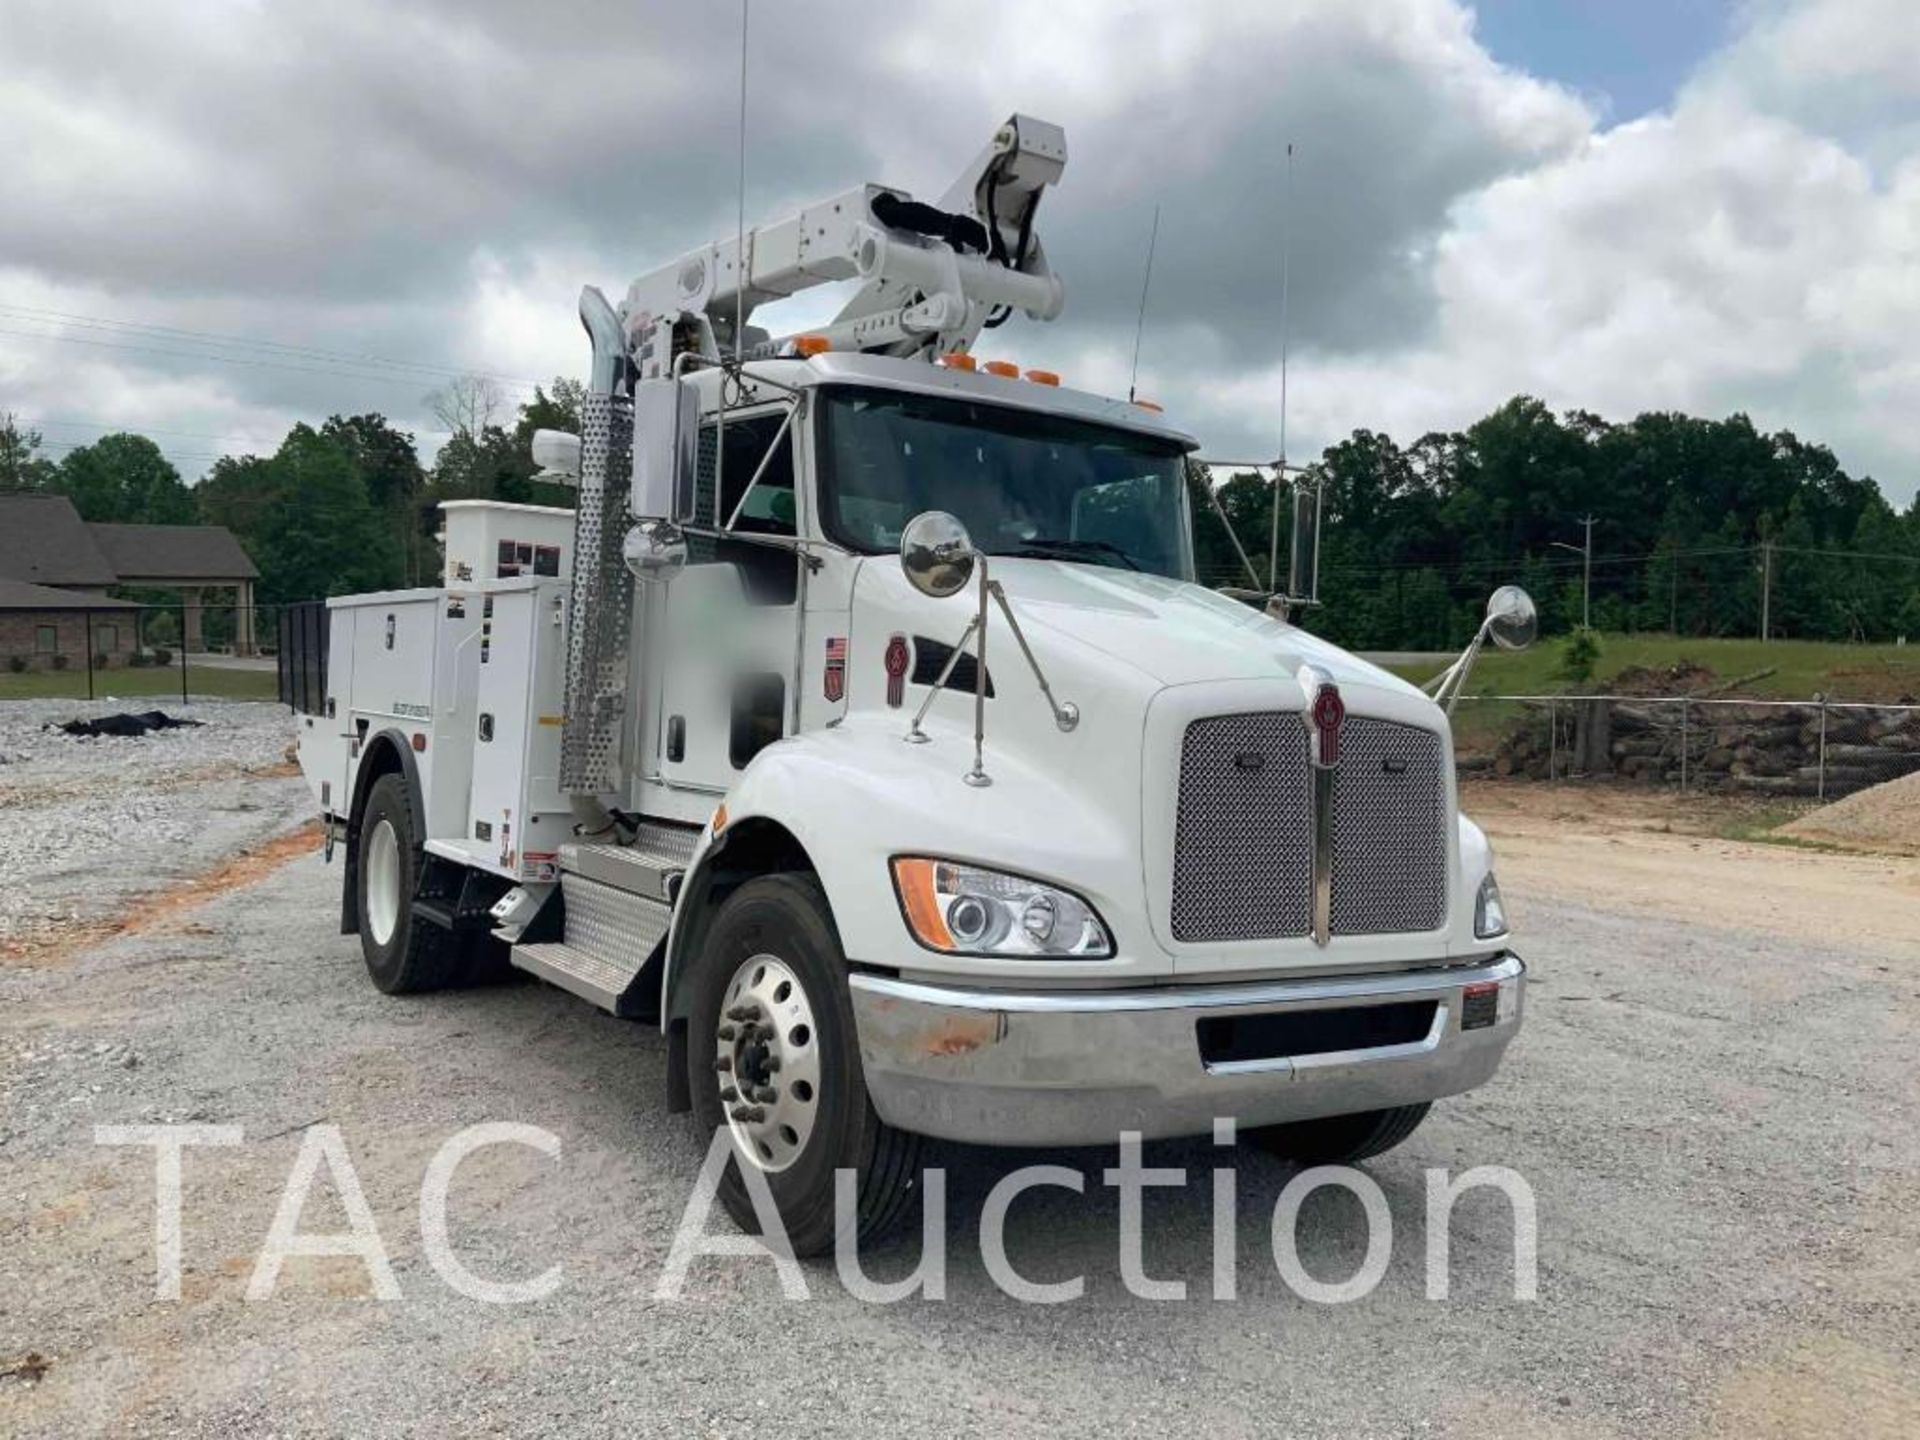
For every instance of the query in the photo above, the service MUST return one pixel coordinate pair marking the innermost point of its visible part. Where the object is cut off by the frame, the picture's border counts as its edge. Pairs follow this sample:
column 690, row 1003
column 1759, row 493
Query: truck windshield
column 1022, row 482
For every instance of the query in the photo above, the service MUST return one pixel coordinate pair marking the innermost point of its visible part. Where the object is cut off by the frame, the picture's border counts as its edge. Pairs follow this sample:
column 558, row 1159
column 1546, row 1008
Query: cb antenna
column 740, row 240
column 741, row 270
column 1280, row 472
column 1140, row 325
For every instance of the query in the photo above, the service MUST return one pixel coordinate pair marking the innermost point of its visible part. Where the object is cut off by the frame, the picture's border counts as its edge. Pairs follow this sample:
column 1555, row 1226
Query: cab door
column 727, row 629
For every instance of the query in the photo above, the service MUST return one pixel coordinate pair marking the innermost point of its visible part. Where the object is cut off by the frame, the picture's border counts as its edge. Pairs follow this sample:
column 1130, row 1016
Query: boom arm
column 936, row 275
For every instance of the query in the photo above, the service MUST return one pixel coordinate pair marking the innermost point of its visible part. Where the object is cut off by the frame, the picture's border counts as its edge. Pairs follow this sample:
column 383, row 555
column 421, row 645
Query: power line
column 369, row 377
column 91, row 322
column 136, row 428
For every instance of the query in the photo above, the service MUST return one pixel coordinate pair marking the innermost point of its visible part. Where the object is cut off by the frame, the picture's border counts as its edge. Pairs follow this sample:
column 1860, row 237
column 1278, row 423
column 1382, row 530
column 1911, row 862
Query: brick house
column 56, row 571
column 39, row 623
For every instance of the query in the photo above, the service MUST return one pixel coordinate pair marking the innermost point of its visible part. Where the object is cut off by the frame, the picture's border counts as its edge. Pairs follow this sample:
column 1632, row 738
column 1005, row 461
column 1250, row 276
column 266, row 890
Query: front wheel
column 1341, row 1139
column 773, row 1059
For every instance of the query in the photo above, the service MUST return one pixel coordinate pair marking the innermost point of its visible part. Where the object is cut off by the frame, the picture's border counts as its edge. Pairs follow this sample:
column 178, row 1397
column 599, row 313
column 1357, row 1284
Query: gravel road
column 1718, row 1125
column 162, row 806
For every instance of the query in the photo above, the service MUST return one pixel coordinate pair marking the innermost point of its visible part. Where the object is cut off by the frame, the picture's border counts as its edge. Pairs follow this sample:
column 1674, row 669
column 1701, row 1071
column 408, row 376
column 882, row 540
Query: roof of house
column 19, row 595
column 43, row 541
column 173, row 552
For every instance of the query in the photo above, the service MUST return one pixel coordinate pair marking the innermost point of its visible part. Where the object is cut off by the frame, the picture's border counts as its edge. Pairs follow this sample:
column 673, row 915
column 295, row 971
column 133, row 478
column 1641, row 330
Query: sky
column 1625, row 206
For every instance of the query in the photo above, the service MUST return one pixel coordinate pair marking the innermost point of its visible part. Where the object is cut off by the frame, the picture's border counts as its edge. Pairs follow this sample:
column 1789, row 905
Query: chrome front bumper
column 1059, row 1067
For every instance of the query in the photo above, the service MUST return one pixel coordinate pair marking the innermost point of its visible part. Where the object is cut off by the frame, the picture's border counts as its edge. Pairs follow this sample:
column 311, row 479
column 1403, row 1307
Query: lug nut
column 726, row 1032
column 728, row 1094
column 723, row 1063
column 766, row 1094
column 748, row 1114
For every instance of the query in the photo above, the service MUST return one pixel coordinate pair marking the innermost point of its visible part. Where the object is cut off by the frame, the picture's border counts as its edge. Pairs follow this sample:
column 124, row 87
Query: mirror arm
column 978, row 777
column 786, row 425
column 915, row 735
column 1447, row 685
column 1227, row 525
column 1065, row 716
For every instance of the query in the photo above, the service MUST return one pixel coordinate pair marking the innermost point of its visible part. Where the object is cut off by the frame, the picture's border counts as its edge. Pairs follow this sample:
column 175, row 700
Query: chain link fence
column 102, row 648
column 1817, row 749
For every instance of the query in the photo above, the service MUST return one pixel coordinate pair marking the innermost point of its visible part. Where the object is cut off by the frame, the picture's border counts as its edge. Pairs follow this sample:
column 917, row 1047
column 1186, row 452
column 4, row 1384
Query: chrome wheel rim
column 383, row 882
column 767, row 1062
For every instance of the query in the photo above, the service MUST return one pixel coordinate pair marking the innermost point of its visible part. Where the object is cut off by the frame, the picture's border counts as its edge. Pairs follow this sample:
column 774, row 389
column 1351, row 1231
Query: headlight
column 1489, row 915
column 964, row 910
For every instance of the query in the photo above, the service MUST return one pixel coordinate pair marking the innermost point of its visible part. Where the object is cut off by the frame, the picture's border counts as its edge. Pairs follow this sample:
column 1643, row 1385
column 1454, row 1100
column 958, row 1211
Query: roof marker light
column 1043, row 377
column 1005, row 369
column 808, row 346
column 1152, row 405
column 959, row 360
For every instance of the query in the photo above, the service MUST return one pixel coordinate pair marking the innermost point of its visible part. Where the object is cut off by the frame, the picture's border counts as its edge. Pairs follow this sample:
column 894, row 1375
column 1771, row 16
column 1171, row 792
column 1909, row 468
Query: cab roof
column 918, row 377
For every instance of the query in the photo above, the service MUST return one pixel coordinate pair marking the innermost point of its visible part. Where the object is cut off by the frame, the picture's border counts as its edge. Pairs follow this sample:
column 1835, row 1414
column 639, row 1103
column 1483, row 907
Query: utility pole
column 1585, row 552
column 1766, row 588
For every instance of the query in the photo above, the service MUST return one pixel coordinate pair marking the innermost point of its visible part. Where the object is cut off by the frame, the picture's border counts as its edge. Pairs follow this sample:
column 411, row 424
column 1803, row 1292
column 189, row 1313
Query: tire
column 1341, row 1139
column 773, row 932
column 404, row 955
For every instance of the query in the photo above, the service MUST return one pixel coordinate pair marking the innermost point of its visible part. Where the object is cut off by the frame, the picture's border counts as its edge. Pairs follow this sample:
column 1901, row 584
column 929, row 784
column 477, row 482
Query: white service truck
column 725, row 747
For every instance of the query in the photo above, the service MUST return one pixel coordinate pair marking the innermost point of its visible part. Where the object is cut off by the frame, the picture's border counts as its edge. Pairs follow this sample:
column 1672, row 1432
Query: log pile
column 1768, row 749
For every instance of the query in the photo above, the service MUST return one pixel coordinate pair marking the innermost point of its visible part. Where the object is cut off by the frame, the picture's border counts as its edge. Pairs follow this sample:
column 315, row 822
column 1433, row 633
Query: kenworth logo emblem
column 1327, row 713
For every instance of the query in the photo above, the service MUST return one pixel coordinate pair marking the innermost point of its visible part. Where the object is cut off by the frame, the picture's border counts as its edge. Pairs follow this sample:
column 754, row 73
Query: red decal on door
column 834, row 679
column 897, row 658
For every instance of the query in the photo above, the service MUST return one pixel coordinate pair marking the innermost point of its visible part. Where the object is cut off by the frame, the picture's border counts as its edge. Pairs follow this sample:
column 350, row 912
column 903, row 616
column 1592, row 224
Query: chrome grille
column 1389, row 830
column 1243, row 841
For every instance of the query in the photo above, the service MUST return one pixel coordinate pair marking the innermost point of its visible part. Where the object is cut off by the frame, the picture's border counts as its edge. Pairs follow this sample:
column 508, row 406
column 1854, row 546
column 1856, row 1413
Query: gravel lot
column 164, row 806
column 1718, row 1124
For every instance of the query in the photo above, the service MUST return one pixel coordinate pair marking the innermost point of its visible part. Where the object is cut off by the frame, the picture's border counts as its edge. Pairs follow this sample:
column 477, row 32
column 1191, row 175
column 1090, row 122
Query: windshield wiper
column 1046, row 547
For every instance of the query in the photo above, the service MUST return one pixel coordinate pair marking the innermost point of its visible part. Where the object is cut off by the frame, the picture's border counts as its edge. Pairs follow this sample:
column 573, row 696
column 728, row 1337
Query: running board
column 649, row 865
column 610, row 936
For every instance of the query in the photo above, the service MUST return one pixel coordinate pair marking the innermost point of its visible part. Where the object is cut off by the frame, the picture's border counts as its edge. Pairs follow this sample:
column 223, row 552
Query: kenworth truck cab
column 863, row 727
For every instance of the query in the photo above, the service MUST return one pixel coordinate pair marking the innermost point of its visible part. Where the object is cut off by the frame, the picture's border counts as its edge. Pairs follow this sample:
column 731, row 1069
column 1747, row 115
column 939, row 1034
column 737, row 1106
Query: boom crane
column 936, row 275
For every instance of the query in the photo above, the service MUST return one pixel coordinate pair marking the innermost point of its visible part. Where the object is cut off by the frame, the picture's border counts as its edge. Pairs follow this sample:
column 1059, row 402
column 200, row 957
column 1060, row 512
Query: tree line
column 338, row 508
column 1697, row 524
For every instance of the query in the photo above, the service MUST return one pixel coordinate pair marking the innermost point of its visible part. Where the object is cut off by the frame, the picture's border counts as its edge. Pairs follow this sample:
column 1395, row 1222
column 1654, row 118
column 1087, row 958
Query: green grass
column 1762, row 826
column 202, row 680
column 1801, row 668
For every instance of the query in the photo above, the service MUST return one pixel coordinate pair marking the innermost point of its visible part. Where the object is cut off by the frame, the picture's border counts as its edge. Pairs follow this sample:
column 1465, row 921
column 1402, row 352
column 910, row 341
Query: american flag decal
column 834, row 679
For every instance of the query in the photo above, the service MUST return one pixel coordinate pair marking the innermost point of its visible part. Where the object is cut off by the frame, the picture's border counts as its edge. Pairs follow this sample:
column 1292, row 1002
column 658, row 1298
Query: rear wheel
column 1341, row 1139
column 773, row 1059
column 403, row 954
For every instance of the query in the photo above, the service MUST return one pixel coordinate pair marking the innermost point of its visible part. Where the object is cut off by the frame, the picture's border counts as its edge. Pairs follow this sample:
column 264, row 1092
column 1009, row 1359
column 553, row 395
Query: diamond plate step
column 611, row 933
column 650, row 866
column 576, row 971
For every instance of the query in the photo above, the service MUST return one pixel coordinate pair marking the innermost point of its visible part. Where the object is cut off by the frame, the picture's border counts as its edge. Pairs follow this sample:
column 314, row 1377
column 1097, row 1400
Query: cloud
column 433, row 182
column 1719, row 256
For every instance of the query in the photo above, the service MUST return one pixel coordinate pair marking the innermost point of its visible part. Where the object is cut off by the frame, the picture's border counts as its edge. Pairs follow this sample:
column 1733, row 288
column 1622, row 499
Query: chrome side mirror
column 654, row 551
column 557, row 453
column 666, row 437
column 1512, row 620
column 937, row 554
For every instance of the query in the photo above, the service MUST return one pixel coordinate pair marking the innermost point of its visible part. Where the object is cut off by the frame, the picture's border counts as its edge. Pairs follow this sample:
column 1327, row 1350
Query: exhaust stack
column 599, row 607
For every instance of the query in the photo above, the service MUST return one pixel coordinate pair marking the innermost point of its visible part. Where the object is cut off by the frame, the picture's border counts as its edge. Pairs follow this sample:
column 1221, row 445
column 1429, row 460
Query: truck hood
column 1171, row 631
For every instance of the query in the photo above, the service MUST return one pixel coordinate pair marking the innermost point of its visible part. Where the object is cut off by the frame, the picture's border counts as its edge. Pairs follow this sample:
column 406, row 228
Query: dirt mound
column 1883, row 817
column 1683, row 677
